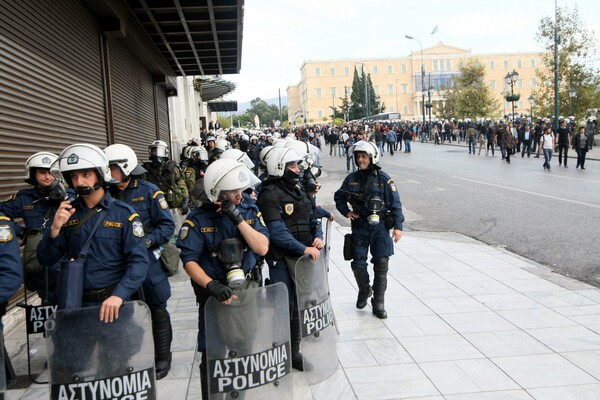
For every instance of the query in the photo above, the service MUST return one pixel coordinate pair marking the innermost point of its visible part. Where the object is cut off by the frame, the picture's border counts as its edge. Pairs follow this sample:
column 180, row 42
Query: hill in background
column 242, row 107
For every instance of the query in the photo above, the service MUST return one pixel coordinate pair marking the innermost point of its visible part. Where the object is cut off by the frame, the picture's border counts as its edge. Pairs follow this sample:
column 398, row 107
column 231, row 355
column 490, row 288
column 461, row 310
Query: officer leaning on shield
column 221, row 242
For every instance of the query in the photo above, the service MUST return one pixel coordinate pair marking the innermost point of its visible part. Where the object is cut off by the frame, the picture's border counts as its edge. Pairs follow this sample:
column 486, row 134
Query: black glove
column 185, row 205
column 229, row 209
column 218, row 290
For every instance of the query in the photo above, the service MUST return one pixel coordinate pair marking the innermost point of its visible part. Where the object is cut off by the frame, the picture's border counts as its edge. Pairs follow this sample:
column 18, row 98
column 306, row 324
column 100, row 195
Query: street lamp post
column 531, row 103
column 429, row 105
column 422, row 78
column 510, row 79
column 572, row 93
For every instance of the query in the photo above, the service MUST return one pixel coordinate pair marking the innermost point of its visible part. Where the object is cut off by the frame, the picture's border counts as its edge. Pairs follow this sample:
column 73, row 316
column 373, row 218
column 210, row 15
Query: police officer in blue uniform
column 11, row 271
column 376, row 209
column 150, row 203
column 36, row 206
column 289, row 213
column 117, row 261
column 206, row 235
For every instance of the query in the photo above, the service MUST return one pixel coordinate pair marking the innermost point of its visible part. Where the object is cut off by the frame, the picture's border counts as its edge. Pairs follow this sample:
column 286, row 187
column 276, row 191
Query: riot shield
column 2, row 371
column 327, row 237
column 90, row 359
column 248, row 345
column 317, row 319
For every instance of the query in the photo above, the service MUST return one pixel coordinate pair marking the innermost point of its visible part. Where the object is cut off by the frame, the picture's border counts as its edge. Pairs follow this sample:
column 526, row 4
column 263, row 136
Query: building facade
column 399, row 85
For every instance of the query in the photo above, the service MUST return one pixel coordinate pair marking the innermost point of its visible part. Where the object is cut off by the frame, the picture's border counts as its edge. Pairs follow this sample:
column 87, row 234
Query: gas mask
column 374, row 205
column 57, row 191
column 231, row 254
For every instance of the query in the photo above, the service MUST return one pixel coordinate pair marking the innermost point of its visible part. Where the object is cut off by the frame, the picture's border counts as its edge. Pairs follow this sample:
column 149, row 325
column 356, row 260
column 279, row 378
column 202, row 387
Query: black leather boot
column 364, row 289
column 298, row 362
column 161, row 330
column 204, row 376
column 380, row 269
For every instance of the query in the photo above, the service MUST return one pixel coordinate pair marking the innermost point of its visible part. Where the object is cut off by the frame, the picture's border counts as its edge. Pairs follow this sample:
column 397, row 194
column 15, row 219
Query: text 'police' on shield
column 250, row 371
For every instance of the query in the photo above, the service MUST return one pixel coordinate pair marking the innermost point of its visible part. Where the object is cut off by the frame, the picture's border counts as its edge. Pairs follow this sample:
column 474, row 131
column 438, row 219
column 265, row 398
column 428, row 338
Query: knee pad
column 380, row 264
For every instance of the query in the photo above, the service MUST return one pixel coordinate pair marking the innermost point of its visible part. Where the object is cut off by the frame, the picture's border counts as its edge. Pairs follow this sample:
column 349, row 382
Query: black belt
column 97, row 295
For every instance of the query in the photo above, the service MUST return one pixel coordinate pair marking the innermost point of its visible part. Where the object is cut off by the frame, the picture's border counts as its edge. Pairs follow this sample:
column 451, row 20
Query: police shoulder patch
column 6, row 233
column 183, row 232
column 138, row 228
column 163, row 202
column 288, row 208
column 260, row 219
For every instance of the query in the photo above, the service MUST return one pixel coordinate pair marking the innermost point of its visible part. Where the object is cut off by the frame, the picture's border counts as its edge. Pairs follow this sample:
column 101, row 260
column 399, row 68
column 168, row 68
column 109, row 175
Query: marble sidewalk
column 467, row 321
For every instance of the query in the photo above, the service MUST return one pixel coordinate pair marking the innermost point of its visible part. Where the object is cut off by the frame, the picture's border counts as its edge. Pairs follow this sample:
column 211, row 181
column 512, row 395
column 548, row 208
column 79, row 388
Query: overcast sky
column 280, row 34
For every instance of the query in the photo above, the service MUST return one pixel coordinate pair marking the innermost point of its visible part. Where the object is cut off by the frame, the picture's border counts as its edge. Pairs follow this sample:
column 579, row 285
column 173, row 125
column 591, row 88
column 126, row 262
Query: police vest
column 297, row 211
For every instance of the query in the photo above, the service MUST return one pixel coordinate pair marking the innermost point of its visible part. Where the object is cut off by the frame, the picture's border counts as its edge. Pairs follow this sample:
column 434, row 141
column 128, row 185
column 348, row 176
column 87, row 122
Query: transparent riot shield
column 327, row 237
column 316, row 318
column 90, row 359
column 248, row 345
column 2, row 371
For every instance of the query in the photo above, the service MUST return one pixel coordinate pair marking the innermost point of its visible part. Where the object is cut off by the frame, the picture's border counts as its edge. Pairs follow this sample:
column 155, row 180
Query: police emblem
column 6, row 234
column 183, row 232
column 73, row 159
column 46, row 160
column 289, row 209
column 138, row 229
column 393, row 186
column 163, row 202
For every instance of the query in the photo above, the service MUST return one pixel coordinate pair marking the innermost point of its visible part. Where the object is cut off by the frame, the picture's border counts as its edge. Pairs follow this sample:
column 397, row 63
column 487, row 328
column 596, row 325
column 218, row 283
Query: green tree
column 577, row 65
column 469, row 96
column 357, row 98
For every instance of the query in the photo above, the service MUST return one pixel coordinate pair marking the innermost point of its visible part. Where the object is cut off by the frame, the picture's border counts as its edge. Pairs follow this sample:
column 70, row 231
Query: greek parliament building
column 397, row 81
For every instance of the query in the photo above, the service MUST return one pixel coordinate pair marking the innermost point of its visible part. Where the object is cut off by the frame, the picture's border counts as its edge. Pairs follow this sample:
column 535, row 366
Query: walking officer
column 117, row 260
column 221, row 241
column 150, row 203
column 289, row 213
column 376, row 209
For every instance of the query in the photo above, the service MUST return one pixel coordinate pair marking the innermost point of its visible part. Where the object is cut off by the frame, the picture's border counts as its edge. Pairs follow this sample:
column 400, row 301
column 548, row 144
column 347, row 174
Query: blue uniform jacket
column 33, row 206
column 117, row 256
column 150, row 203
column 204, row 229
column 11, row 271
column 382, row 186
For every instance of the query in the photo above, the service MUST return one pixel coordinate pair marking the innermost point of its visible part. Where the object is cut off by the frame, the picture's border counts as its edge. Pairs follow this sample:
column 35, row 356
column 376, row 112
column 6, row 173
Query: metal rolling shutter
column 132, row 90
column 162, row 109
column 51, row 87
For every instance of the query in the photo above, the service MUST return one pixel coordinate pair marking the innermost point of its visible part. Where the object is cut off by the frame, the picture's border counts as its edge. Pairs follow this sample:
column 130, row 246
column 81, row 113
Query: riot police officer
column 214, row 234
column 117, row 261
column 150, row 203
column 376, row 209
column 11, row 271
column 294, row 228
column 36, row 206
column 165, row 174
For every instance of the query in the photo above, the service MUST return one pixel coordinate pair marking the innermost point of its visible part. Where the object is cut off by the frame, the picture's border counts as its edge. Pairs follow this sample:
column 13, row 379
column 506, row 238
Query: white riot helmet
column 199, row 153
column 159, row 149
column 239, row 156
column 368, row 147
column 42, row 159
column 125, row 158
column 264, row 153
column 222, row 144
column 223, row 175
column 303, row 149
column 278, row 158
column 83, row 156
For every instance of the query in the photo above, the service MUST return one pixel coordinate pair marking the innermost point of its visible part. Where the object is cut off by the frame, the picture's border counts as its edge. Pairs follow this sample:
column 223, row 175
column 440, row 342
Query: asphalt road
column 552, row 218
